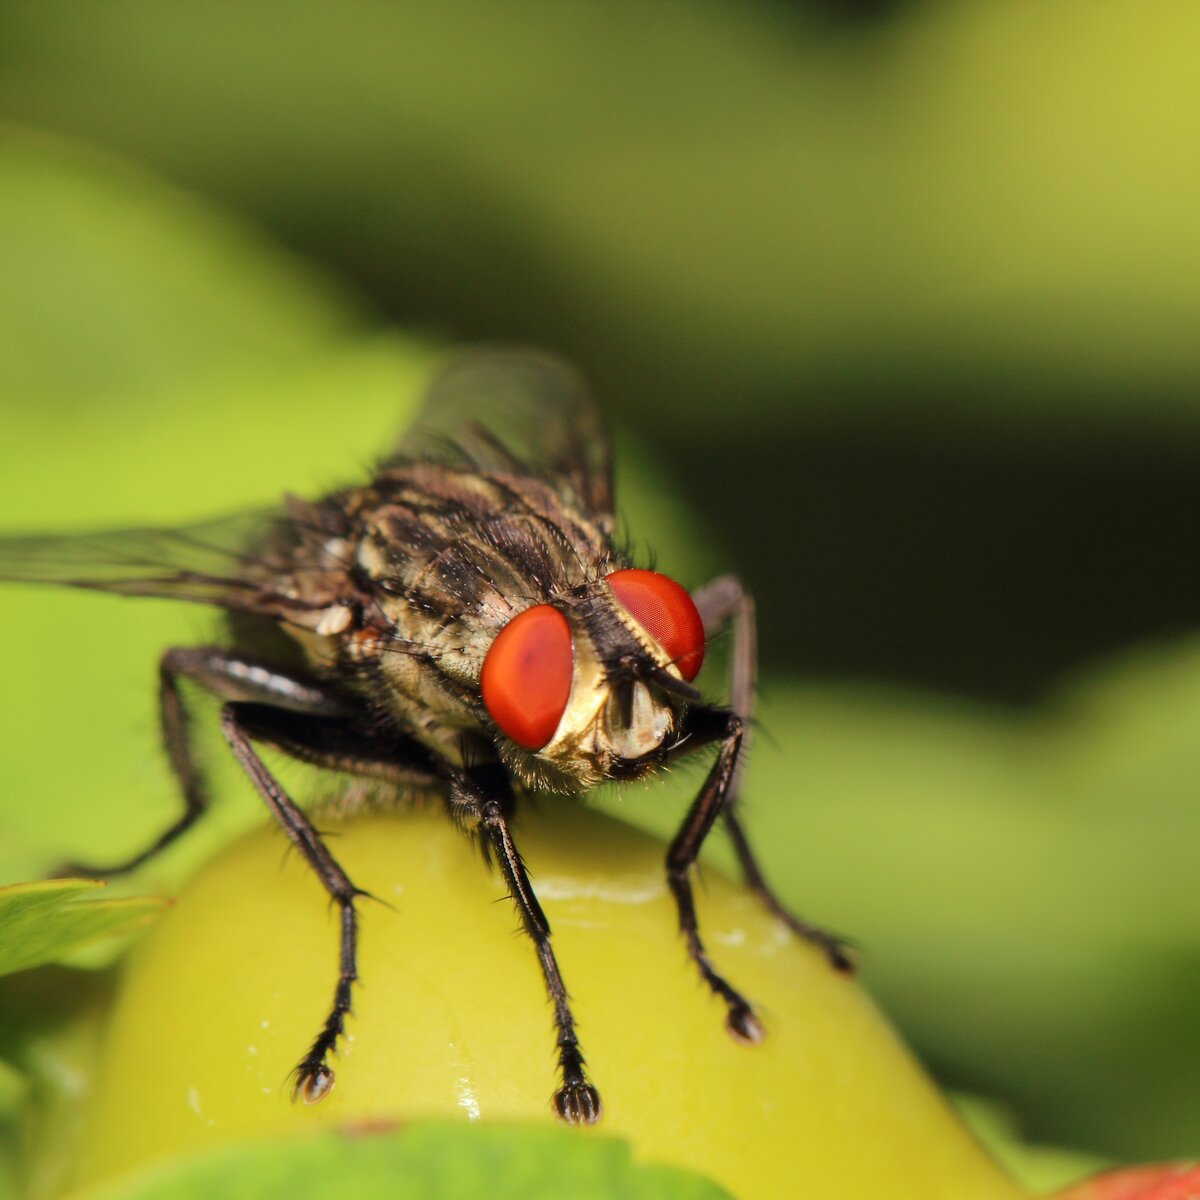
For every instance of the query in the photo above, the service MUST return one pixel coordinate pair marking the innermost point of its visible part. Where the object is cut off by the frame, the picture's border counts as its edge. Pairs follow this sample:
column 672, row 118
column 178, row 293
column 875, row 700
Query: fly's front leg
column 482, row 798
column 726, row 600
column 231, row 678
column 706, row 725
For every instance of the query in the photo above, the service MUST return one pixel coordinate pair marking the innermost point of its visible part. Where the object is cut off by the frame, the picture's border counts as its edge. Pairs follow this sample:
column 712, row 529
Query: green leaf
column 1042, row 1169
column 46, row 921
column 14, row 1094
column 421, row 1162
column 115, row 282
column 728, row 195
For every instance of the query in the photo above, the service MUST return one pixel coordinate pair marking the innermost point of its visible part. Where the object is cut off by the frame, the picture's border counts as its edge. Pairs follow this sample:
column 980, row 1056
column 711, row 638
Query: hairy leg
column 725, row 600
column 702, row 726
column 481, row 799
column 231, row 677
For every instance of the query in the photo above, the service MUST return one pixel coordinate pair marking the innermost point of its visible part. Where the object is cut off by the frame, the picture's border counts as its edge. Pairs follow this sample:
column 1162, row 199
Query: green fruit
column 451, row 1019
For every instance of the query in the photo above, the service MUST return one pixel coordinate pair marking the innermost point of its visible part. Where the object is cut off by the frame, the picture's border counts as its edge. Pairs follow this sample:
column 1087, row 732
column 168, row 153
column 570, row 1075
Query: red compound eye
column 526, row 676
column 666, row 612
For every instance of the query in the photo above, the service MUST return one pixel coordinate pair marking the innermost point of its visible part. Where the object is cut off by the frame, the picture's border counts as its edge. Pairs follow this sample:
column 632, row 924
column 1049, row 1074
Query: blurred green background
column 895, row 307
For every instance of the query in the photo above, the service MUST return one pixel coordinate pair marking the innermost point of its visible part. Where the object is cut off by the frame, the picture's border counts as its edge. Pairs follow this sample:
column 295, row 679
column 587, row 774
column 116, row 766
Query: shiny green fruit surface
column 451, row 1019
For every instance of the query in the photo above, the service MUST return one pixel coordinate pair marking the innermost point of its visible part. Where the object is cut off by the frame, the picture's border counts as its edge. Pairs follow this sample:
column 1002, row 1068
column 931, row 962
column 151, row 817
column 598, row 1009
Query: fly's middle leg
column 230, row 677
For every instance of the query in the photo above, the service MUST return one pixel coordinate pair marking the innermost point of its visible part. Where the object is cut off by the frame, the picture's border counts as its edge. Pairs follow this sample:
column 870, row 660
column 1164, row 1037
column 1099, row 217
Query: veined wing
column 247, row 562
column 515, row 412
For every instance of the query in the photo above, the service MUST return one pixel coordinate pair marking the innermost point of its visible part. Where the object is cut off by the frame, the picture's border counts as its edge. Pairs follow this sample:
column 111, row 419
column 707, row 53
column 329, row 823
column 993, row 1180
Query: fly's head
column 592, row 686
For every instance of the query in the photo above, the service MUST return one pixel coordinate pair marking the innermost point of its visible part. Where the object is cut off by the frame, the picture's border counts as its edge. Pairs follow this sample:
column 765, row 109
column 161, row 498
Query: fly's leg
column 313, row 1075
column 306, row 722
column 707, row 725
column 835, row 948
column 482, row 799
column 725, row 600
column 722, row 600
column 231, row 678
column 337, row 744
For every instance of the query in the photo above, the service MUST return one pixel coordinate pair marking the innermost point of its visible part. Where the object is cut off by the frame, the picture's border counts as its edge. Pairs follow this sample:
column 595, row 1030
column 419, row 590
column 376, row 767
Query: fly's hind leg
column 835, row 948
column 230, row 677
column 481, row 799
column 725, row 600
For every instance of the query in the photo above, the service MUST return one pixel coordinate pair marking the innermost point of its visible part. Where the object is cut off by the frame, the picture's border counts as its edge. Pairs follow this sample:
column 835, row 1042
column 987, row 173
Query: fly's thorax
column 468, row 571
column 436, row 636
column 429, row 671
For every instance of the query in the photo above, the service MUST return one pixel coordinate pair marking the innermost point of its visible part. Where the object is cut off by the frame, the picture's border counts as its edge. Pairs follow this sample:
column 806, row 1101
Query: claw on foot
column 839, row 956
column 314, row 1081
column 74, row 870
column 578, row 1103
column 745, row 1026
column 839, row 953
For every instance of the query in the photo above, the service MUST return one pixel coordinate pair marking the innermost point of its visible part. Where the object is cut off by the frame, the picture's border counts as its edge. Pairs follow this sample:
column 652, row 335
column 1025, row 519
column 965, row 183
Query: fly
column 465, row 623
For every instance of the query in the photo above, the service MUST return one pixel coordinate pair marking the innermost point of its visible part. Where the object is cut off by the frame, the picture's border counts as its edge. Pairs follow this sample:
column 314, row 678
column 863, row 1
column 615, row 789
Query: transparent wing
column 234, row 562
column 515, row 412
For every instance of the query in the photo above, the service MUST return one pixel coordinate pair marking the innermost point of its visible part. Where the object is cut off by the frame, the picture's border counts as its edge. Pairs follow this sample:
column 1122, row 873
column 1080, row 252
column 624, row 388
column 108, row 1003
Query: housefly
column 465, row 623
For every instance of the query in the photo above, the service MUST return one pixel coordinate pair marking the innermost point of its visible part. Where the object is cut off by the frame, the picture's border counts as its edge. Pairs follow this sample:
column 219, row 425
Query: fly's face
column 591, row 685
